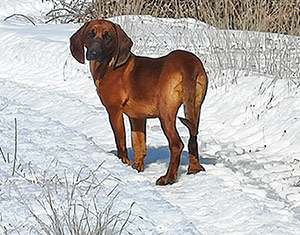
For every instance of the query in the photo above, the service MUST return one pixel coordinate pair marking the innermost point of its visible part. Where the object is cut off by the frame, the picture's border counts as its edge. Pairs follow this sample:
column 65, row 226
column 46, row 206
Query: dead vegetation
column 277, row 16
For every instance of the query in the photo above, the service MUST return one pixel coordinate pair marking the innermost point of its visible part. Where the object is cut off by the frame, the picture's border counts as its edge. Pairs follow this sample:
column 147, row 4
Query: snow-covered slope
column 249, row 134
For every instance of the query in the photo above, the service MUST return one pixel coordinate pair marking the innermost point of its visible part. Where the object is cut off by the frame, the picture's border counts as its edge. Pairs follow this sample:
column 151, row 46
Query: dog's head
column 104, row 41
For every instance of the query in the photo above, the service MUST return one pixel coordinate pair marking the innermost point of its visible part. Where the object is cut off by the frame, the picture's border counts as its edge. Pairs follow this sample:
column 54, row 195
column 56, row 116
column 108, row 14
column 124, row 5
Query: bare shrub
column 279, row 16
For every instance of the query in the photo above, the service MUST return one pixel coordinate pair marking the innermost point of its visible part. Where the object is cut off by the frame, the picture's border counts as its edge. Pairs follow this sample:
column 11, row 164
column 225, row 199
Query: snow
column 249, row 133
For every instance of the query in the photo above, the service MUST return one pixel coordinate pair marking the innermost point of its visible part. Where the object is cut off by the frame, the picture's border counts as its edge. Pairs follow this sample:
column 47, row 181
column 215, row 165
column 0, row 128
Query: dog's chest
column 139, row 108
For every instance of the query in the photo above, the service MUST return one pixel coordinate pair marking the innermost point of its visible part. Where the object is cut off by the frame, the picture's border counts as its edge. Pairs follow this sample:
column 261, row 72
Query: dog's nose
column 94, row 51
column 92, row 54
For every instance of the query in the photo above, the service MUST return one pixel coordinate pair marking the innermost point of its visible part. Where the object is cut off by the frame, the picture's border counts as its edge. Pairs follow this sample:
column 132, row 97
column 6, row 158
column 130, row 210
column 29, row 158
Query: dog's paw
column 194, row 169
column 165, row 180
column 126, row 160
column 139, row 166
column 194, row 166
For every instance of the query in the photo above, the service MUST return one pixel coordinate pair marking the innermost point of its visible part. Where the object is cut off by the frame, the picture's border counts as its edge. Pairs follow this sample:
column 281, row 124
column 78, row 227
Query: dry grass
column 78, row 213
column 64, row 206
column 79, row 204
column 278, row 16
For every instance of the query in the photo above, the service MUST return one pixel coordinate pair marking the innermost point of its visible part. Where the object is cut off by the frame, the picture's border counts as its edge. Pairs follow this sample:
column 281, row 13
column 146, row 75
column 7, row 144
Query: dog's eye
column 91, row 34
column 106, row 36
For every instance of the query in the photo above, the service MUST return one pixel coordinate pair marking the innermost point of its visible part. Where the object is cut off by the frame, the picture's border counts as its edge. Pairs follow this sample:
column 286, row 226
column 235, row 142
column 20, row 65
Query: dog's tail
column 194, row 89
column 190, row 125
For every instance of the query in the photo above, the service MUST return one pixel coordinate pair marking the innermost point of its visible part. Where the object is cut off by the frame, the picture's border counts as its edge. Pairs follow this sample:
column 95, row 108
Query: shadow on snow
column 162, row 154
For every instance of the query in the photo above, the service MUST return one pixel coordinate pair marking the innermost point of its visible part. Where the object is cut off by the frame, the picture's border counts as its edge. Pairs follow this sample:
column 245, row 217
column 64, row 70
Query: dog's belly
column 140, row 109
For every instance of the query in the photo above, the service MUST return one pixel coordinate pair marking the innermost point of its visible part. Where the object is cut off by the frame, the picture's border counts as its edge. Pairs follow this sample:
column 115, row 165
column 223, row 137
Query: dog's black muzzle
column 94, row 52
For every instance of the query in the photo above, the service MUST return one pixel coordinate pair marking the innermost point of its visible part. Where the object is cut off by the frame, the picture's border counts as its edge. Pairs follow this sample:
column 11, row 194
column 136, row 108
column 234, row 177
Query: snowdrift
column 65, row 171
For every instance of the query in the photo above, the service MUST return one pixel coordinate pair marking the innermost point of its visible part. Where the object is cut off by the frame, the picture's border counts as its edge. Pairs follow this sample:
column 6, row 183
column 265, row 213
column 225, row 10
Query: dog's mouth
column 97, row 54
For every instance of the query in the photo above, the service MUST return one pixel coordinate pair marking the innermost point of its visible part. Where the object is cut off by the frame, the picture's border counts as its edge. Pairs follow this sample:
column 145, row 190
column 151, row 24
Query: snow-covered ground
column 249, row 135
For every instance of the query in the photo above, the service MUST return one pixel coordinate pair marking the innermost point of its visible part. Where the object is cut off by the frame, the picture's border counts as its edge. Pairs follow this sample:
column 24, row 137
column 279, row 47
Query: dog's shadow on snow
column 162, row 154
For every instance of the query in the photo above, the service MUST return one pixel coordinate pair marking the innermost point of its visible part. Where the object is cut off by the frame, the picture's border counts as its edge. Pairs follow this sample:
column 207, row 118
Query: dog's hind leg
column 194, row 165
column 194, row 93
column 168, row 120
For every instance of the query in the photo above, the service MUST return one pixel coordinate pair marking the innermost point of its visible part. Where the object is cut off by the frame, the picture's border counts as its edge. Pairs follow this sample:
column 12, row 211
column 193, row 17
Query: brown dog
column 143, row 87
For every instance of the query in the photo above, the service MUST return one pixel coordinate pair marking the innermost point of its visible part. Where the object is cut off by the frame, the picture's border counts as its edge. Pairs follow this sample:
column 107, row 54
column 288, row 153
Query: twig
column 26, row 17
column 16, row 142
column 72, row 11
column 4, row 107
column 2, row 154
column 126, row 221
column 57, row 17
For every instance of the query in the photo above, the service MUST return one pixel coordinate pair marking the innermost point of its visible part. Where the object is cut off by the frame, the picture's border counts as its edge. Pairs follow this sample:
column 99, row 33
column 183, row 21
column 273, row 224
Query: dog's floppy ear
column 124, row 46
column 77, row 46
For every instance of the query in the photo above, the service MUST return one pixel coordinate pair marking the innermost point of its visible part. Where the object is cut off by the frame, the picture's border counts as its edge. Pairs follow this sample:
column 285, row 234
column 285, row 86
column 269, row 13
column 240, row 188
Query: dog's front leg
column 117, row 124
column 138, row 132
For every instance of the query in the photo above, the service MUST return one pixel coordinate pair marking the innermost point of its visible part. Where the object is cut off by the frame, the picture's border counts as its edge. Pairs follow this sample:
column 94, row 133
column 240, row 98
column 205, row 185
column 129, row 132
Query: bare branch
column 26, row 17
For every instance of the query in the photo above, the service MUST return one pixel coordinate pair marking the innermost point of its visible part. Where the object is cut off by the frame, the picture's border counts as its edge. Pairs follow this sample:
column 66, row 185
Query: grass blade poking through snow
column 16, row 146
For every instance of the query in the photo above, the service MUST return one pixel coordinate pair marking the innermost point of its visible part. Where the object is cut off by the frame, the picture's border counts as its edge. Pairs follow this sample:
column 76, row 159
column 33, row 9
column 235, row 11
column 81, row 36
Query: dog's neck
column 99, row 70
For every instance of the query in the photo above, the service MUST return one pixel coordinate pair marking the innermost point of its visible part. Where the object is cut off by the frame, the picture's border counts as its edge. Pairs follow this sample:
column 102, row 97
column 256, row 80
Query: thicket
column 277, row 16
